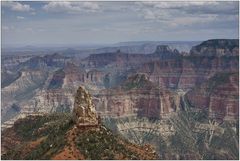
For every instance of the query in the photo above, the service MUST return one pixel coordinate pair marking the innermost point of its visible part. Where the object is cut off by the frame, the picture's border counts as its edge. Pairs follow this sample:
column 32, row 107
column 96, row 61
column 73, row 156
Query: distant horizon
column 96, row 44
column 108, row 22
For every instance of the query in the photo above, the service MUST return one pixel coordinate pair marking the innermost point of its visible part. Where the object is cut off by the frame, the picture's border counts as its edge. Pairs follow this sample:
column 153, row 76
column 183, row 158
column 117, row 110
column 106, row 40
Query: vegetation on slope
column 52, row 127
column 55, row 136
column 103, row 144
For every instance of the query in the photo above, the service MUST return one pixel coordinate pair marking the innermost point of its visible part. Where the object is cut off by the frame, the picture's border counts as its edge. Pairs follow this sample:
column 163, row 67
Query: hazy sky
column 30, row 23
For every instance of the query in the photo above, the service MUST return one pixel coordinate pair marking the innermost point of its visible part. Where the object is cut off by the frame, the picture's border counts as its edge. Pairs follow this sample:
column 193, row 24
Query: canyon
column 162, row 98
column 75, row 136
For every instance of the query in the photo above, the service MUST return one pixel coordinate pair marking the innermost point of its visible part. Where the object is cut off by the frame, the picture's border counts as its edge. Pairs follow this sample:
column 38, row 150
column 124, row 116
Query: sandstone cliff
column 137, row 96
column 84, row 112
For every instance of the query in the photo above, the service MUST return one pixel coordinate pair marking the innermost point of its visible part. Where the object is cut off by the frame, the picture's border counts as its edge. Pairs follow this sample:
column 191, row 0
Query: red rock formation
column 186, row 72
column 219, row 95
column 136, row 99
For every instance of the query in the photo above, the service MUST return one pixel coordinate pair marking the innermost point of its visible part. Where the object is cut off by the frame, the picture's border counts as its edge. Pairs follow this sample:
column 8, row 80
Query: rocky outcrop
column 120, row 59
column 84, row 113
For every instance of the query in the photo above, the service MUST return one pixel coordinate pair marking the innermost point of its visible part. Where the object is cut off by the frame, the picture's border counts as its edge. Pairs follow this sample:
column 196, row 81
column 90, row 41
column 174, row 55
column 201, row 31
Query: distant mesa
column 221, row 43
column 165, row 49
column 56, row 55
column 216, row 47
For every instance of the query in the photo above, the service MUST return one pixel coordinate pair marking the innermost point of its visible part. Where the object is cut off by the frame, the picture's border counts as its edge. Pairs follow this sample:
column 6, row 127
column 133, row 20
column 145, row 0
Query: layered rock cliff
column 23, row 88
column 165, row 68
column 219, row 96
column 137, row 96
column 184, row 72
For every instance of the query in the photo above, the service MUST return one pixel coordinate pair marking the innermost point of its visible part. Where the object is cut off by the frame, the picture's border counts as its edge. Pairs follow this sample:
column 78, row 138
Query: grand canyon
column 147, row 98
column 139, row 100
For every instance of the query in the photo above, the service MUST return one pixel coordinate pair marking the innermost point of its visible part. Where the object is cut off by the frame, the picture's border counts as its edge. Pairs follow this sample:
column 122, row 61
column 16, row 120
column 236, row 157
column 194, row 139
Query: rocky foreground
column 62, row 136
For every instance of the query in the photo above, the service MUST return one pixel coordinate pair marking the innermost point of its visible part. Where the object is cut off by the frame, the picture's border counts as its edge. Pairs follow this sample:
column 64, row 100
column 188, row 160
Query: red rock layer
column 220, row 98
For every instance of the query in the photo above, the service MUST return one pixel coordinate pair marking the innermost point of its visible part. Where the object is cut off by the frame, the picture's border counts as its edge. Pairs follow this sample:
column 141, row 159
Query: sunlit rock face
column 185, row 72
column 84, row 111
column 137, row 96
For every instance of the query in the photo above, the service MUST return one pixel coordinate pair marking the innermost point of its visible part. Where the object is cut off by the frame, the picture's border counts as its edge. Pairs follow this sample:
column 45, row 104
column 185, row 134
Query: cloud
column 71, row 7
column 173, row 5
column 203, row 7
column 17, row 6
column 149, row 15
column 90, row 5
column 29, row 29
column 8, row 28
column 176, row 15
column 5, row 28
column 120, row 21
column 20, row 17
column 217, row 8
column 155, row 15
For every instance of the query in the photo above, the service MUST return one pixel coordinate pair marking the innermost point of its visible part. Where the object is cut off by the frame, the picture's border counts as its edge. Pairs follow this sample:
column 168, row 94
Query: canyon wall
column 48, row 83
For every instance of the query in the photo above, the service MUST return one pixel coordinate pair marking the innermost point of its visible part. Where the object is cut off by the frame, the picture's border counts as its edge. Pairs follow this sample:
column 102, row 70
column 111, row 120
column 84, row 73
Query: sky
column 91, row 22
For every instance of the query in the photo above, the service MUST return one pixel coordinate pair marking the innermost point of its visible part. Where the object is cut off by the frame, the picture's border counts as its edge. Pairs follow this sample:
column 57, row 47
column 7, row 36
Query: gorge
column 166, row 98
